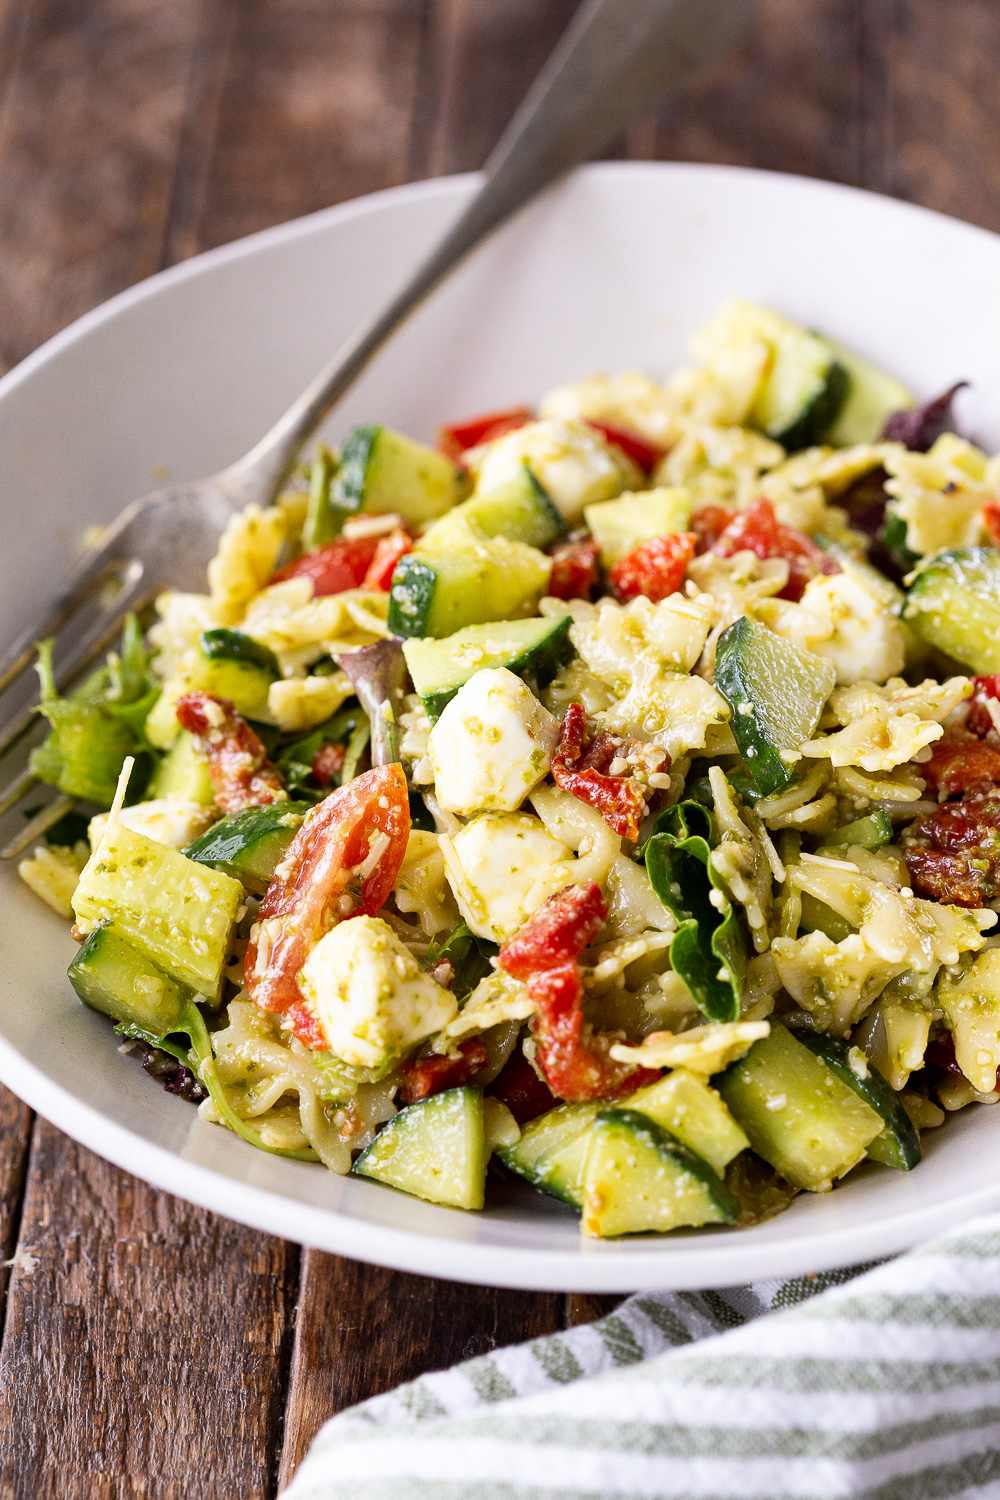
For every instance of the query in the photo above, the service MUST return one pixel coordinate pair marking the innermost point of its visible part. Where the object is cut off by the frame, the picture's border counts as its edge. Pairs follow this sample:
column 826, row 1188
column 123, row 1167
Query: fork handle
column 615, row 61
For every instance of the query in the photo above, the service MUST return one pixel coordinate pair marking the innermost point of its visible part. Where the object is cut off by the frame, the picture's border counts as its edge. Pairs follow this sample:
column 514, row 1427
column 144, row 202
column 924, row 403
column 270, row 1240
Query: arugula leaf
column 86, row 747
column 710, row 948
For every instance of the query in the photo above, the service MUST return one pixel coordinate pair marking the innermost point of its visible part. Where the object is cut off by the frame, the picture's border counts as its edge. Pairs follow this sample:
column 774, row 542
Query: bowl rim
column 715, row 1260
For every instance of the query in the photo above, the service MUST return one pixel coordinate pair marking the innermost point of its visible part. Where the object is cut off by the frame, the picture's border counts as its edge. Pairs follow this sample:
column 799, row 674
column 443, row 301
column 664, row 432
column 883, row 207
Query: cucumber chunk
column 954, row 603
column 870, row 832
column 250, row 844
column 178, row 913
column 872, row 397
column 233, row 645
column 183, row 773
column 519, row 510
column 798, row 1114
column 440, row 668
column 543, row 1140
column 112, row 976
column 804, row 390
column 435, row 1149
column 640, row 1178
column 899, row 1144
column 776, row 692
column 242, row 678
column 475, row 581
column 381, row 471
column 619, row 526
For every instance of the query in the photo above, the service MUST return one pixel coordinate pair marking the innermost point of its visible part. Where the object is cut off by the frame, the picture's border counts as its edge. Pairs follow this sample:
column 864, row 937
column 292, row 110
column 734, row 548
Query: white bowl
column 613, row 269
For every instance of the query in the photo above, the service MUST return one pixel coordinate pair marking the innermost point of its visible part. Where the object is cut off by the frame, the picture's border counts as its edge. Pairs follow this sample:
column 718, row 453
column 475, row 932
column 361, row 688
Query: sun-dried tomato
column 639, row 449
column 956, row 879
column 557, row 933
column 387, row 554
column 574, row 569
column 758, row 530
column 241, row 774
column 655, row 569
column 984, row 691
column 708, row 523
column 423, row 1076
column 959, row 760
column 455, row 440
column 953, row 854
column 333, row 569
column 519, row 1087
column 328, row 762
column 619, row 799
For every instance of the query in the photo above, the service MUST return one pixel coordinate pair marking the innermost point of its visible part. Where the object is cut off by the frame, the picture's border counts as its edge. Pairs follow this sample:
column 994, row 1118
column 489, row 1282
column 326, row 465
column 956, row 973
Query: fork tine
column 23, row 782
column 98, row 639
column 84, row 580
column 39, row 825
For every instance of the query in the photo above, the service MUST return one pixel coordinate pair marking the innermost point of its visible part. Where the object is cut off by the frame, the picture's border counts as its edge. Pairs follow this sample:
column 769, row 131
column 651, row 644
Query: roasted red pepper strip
column 639, row 449
column 991, row 521
column 984, row 690
column 423, row 1076
column 618, row 799
column 318, row 883
column 574, row 569
column 544, row 954
column 758, row 530
column 455, row 440
column 387, row 554
column 519, row 1087
column 242, row 776
column 338, row 566
column 654, row 569
column 958, row 761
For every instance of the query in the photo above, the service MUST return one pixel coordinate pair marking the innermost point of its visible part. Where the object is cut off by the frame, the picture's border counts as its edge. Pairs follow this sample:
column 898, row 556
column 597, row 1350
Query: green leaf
column 468, row 955
column 709, row 950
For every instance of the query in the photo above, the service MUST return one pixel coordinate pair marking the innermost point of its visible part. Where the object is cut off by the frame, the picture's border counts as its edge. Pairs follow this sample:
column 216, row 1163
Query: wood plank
column 151, row 1336
column 16, row 1121
column 586, row 1307
column 361, row 1330
column 88, row 137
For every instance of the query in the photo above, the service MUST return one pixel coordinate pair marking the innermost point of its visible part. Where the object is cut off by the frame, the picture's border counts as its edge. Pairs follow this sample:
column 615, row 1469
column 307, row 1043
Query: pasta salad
column 608, row 796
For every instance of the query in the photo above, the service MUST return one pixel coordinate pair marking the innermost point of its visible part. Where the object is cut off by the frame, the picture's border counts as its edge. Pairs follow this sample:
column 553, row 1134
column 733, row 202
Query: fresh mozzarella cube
column 369, row 994
column 173, row 821
column 866, row 642
column 492, row 744
column 501, row 867
column 572, row 461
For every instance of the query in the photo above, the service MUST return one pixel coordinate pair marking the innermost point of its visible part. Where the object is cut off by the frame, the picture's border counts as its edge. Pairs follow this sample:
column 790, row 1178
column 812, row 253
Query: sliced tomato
column 757, row 529
column 387, row 554
column 456, row 439
column 639, row 449
column 991, row 521
column 320, row 882
column 654, row 569
column 240, row 772
column 423, row 1076
column 574, row 569
column 708, row 523
column 333, row 569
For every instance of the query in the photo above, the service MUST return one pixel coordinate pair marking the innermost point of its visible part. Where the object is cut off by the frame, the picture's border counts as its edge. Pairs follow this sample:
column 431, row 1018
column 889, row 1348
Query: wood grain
column 361, row 1330
column 144, row 1342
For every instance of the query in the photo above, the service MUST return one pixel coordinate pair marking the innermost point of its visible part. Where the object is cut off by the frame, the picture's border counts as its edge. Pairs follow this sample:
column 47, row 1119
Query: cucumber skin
column 942, row 581
column 232, row 645
column 902, row 1140
column 542, row 660
column 373, row 1161
column 231, row 843
column 817, row 419
column 634, row 1124
column 411, row 598
column 348, row 485
column 94, row 978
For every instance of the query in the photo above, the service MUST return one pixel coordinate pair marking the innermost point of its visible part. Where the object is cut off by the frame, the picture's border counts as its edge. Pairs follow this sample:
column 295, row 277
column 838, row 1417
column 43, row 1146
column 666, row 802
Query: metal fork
column 615, row 62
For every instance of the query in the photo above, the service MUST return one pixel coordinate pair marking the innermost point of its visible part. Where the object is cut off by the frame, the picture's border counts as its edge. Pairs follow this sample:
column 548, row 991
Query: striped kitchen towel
column 877, row 1383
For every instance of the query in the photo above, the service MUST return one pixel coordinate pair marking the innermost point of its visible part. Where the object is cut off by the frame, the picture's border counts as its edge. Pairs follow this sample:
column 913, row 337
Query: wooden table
column 150, row 1348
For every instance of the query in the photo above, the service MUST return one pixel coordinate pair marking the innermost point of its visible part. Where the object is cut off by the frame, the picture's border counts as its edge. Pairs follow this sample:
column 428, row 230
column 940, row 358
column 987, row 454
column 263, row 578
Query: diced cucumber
column 435, row 1149
column 382, row 471
column 249, row 845
column 640, row 1178
column 816, row 916
column 183, row 773
column 800, row 1117
column 478, row 580
column 804, row 389
column 870, row 832
column 439, row 668
column 181, row 914
column 544, row 1139
column 619, row 526
column 233, row 645
column 694, row 1113
column 112, row 976
column 323, row 519
column 242, row 678
column 519, row 510
column 954, row 603
column 899, row 1144
column 872, row 397
column 776, row 692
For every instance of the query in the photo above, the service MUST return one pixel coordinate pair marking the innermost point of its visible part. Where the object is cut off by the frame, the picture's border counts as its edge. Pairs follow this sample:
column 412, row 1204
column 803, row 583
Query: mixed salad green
column 609, row 796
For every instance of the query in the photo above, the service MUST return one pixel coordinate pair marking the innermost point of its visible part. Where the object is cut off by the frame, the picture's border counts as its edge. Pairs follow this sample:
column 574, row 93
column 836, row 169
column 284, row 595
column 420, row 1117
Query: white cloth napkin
column 882, row 1384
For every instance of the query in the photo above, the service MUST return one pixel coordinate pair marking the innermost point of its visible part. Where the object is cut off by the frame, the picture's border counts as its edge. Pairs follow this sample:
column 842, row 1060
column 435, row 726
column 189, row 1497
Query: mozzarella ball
column 492, row 745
